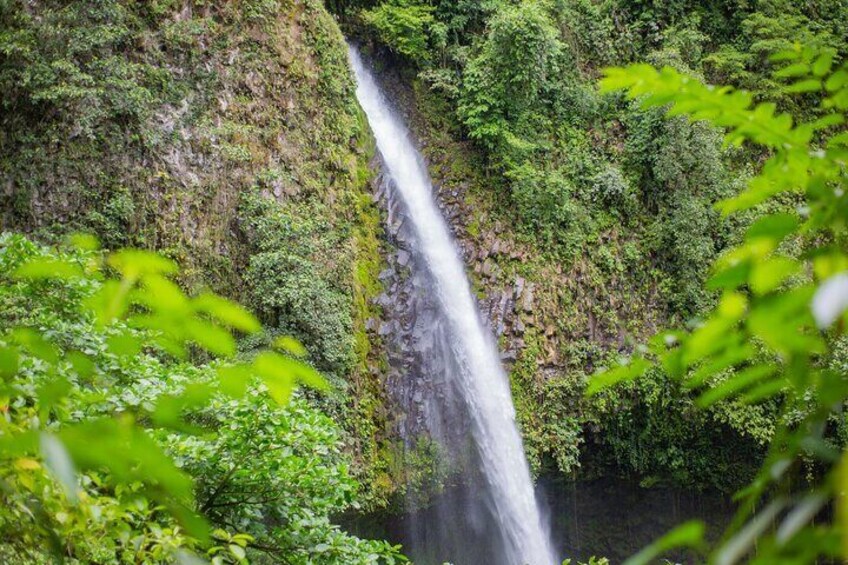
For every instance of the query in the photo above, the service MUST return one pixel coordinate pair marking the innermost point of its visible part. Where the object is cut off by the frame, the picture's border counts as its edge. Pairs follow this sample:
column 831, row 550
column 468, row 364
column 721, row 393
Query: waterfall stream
column 474, row 372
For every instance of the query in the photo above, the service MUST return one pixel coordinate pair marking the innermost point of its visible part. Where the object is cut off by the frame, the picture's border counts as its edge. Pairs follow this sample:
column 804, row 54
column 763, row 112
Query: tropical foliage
column 777, row 332
column 134, row 430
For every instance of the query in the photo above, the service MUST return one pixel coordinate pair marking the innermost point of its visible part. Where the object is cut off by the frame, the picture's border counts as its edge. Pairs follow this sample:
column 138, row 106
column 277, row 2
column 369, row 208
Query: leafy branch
column 780, row 315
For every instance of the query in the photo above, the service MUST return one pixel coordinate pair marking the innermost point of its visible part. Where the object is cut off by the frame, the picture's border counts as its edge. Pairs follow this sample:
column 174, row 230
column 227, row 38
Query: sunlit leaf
column 35, row 343
column 234, row 379
column 227, row 312
column 774, row 226
column 123, row 344
column 769, row 275
column 84, row 241
column 737, row 382
column 38, row 269
column 290, row 345
column 133, row 263
column 689, row 534
column 52, row 391
column 210, row 337
column 9, row 362
column 611, row 377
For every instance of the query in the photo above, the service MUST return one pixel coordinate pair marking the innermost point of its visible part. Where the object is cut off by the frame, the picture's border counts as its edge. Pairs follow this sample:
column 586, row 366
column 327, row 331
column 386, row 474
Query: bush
column 114, row 444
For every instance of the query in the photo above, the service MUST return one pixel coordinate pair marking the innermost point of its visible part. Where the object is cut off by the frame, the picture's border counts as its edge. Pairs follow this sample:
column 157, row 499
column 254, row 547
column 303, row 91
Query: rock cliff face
column 555, row 321
column 155, row 121
column 225, row 135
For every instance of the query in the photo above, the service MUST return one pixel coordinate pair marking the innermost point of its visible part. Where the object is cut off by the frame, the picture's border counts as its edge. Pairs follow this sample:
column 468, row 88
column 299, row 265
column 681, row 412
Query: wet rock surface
column 413, row 333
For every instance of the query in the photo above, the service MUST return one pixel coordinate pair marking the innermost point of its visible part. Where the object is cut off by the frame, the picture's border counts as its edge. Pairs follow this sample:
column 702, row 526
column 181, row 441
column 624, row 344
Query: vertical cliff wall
column 225, row 135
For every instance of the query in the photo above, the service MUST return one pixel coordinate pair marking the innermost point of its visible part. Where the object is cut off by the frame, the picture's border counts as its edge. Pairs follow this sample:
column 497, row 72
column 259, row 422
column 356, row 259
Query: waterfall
column 474, row 372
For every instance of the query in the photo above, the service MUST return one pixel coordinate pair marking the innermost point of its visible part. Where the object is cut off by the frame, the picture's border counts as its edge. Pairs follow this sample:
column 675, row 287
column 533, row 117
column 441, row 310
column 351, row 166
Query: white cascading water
column 481, row 380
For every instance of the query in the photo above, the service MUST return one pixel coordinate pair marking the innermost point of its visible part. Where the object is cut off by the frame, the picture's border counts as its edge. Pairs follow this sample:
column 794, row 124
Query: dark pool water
column 609, row 518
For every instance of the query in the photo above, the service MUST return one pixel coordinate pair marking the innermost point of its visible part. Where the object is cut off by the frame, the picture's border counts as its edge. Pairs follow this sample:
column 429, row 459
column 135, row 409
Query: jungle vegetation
column 212, row 153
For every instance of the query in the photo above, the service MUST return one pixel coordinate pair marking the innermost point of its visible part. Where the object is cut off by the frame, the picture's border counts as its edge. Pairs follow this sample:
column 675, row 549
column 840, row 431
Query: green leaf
column 290, row 345
column 809, row 85
column 234, row 379
column 689, row 534
column 133, row 263
column 769, row 275
column 837, row 80
column 40, row 269
column 84, row 241
column 237, row 551
column 733, row 354
column 81, row 363
column 212, row 338
column 163, row 295
column 280, row 374
column 730, row 278
column 611, row 377
column 226, row 312
column 795, row 70
column 110, row 302
column 734, row 383
column 823, row 64
column 774, row 227
column 52, row 391
column 123, row 344
column 9, row 362
column 35, row 343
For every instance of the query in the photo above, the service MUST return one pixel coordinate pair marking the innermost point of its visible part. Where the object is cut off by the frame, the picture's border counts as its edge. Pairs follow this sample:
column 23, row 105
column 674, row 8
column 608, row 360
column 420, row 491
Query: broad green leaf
column 290, row 345
column 837, row 80
column 774, row 227
column 170, row 408
column 823, row 64
column 734, row 353
column 689, row 534
column 52, row 391
column 237, row 551
column 133, row 263
column 161, row 294
column 212, row 338
column 226, row 312
column 35, row 343
column 123, row 344
column 809, row 85
column 730, row 278
column 9, row 362
column 769, row 275
column 234, row 379
column 110, row 302
column 39, row 269
column 611, row 377
column 84, row 241
column 81, row 363
column 735, row 383
column 795, row 70
column 764, row 391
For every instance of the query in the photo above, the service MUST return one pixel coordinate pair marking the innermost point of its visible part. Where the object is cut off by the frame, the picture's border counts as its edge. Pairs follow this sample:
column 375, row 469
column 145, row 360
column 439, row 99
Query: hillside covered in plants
column 201, row 278
column 588, row 220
